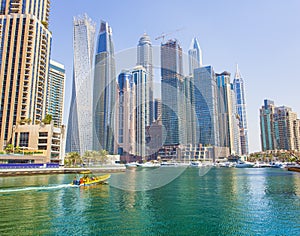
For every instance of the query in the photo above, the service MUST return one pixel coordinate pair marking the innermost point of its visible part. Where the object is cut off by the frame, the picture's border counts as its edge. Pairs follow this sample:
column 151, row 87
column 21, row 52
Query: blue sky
column 263, row 37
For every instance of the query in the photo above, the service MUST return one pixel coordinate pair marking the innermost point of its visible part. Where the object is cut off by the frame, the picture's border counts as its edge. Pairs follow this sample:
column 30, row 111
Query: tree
column 9, row 148
column 89, row 155
column 73, row 158
column 103, row 156
column 47, row 120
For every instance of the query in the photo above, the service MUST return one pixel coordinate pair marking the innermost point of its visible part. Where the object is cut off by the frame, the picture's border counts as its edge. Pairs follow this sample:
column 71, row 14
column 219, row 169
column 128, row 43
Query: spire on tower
column 237, row 73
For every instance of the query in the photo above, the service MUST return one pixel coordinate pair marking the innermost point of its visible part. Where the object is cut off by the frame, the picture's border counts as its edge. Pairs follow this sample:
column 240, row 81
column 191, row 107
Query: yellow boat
column 90, row 180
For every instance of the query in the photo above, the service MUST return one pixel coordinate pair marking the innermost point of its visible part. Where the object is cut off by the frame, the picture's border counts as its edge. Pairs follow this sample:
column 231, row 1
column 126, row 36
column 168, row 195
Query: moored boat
column 244, row 165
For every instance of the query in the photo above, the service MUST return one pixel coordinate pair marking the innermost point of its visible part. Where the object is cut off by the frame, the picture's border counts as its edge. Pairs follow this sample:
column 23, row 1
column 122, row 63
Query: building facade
column 104, row 92
column 172, row 96
column 144, row 58
column 206, row 106
column 25, row 43
column 79, row 134
column 126, row 129
column 239, row 89
column 228, row 122
column 267, row 133
column 55, row 92
column 279, row 128
column 195, row 56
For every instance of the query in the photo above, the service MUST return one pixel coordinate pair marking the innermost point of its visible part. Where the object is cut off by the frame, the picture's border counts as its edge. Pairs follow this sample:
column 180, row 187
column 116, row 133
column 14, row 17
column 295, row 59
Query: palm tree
column 73, row 158
column 89, row 155
column 103, row 156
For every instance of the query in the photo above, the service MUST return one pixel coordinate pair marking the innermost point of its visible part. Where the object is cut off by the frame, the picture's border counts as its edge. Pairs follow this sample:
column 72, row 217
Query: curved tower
column 104, row 96
column 79, row 133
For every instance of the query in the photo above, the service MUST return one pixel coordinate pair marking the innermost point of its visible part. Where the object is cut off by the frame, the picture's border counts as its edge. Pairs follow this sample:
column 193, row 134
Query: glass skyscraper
column 55, row 92
column 195, row 56
column 79, row 133
column 126, row 119
column 267, row 135
column 238, row 85
column 25, row 43
column 228, row 123
column 144, row 58
column 172, row 95
column 206, row 106
column 104, row 95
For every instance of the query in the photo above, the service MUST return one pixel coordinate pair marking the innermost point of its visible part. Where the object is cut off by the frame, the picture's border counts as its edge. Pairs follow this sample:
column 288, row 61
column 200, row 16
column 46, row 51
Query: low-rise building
column 41, row 138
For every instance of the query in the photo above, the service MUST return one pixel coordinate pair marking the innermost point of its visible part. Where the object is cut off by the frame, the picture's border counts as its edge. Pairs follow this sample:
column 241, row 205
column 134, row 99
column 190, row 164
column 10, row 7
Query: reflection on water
column 225, row 201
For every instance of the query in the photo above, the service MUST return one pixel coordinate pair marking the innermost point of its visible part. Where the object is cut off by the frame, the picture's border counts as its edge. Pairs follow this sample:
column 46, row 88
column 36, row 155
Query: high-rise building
column 79, row 134
column 195, row 56
column 190, row 113
column 126, row 119
column 284, row 121
column 279, row 127
column 172, row 96
column 206, row 106
column 239, row 89
column 104, row 95
column 144, row 58
column 228, row 124
column 267, row 134
column 25, row 42
column 141, row 109
column 55, row 92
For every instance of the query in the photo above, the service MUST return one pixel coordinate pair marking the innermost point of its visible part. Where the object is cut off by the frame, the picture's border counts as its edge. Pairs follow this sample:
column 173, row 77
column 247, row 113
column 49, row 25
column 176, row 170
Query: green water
column 225, row 201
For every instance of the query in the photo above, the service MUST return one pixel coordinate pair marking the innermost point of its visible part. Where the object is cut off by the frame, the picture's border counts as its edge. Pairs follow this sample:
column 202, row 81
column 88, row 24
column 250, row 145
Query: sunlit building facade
column 239, row 89
column 104, row 93
column 25, row 43
column 55, row 92
column 79, row 133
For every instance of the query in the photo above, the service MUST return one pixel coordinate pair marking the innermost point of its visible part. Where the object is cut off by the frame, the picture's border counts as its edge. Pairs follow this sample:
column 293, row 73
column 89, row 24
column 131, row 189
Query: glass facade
column 104, row 92
column 195, row 56
column 172, row 94
column 207, row 125
column 238, row 85
column 79, row 133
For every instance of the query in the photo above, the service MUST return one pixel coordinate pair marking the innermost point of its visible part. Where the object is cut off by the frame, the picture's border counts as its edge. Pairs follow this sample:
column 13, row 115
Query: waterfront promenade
column 61, row 170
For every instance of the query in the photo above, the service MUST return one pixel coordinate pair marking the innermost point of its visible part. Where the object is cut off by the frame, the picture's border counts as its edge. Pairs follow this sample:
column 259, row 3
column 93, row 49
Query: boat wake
column 36, row 188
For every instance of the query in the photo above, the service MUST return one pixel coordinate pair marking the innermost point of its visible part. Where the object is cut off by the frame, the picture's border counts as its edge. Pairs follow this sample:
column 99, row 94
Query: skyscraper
column 195, row 56
column 267, row 134
column 206, row 106
column 284, row 121
column 238, row 85
column 228, row 123
column 279, row 127
column 172, row 96
column 55, row 92
column 144, row 58
column 79, row 134
column 25, row 42
column 104, row 95
column 126, row 119
column 141, row 109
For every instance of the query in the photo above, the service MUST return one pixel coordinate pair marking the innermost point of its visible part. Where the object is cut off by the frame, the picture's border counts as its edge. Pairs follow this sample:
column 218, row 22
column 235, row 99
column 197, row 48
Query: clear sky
column 262, row 36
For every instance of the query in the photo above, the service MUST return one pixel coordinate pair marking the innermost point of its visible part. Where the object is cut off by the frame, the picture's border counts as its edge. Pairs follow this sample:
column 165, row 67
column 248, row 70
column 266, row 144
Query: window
column 24, row 139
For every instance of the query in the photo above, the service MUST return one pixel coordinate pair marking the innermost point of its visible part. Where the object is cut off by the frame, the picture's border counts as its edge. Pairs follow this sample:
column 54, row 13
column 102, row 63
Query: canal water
column 223, row 201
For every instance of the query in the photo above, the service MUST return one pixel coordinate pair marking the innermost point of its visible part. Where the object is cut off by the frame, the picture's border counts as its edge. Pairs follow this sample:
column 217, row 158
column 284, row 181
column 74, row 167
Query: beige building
column 41, row 138
column 24, row 51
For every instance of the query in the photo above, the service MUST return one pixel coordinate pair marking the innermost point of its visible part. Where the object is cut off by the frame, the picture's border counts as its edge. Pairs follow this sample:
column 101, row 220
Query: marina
column 224, row 201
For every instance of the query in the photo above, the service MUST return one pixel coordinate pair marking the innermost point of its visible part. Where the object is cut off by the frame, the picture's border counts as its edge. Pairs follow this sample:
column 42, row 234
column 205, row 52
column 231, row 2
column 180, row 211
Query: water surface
column 225, row 201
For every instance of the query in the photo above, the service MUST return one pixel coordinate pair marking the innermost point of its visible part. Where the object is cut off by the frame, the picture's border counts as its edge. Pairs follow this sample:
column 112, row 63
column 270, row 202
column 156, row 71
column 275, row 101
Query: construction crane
column 163, row 35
